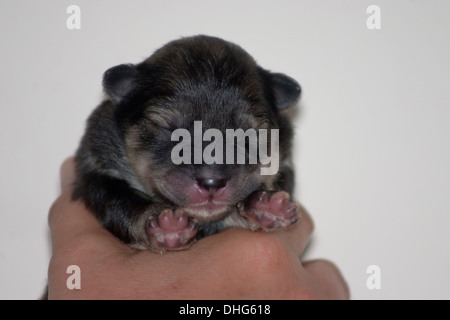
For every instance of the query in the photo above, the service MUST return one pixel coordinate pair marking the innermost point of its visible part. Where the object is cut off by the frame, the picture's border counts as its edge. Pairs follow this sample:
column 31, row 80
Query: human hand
column 233, row 264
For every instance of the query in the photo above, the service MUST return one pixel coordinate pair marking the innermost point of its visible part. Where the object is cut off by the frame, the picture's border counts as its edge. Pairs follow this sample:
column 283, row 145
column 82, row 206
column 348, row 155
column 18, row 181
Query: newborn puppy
column 193, row 140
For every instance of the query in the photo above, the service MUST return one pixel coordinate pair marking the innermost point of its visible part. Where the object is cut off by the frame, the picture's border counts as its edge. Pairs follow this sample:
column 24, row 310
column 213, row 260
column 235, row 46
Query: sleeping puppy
column 193, row 140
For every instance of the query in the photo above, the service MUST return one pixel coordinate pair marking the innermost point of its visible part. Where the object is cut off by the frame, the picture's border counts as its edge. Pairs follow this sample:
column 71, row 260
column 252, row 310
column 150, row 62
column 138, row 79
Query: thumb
column 70, row 221
column 67, row 174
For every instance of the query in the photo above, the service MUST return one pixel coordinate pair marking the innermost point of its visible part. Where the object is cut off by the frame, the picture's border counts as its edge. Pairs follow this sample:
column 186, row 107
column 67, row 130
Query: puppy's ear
column 119, row 81
column 286, row 90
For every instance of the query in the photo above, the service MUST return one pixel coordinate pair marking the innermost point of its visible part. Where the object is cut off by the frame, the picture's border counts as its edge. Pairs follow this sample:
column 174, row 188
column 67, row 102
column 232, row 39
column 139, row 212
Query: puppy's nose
column 212, row 184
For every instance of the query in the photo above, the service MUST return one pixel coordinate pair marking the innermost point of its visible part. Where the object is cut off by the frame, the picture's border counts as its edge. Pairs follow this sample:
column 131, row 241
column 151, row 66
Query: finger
column 296, row 238
column 67, row 179
column 67, row 174
column 70, row 222
column 328, row 280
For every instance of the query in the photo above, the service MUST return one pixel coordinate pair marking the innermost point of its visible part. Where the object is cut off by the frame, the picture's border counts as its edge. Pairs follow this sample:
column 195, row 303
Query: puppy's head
column 182, row 112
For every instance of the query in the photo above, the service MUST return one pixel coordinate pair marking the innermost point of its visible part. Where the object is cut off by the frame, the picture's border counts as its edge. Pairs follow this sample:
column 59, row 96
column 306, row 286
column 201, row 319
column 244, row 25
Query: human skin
column 233, row 264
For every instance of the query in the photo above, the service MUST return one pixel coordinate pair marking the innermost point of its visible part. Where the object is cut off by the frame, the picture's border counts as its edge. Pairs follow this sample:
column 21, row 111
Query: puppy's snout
column 212, row 184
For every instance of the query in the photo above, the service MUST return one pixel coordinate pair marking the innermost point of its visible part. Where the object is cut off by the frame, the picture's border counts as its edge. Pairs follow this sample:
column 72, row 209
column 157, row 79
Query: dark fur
column 123, row 162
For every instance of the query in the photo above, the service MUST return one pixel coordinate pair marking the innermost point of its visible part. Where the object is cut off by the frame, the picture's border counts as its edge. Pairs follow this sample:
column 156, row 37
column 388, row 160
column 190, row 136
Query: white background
column 372, row 145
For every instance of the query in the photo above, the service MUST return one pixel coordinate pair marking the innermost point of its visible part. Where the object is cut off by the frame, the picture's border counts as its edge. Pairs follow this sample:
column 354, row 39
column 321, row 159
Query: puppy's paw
column 270, row 210
column 171, row 230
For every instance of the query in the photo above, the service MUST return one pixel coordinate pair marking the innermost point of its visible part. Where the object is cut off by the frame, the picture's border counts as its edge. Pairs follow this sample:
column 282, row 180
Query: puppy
column 154, row 188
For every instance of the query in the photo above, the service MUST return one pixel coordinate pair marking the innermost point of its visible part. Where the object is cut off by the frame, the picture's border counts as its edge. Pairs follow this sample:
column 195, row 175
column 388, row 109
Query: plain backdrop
column 372, row 139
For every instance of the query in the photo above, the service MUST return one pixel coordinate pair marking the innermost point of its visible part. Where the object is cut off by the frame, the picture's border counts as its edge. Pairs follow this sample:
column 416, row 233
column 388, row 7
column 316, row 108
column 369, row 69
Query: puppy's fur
column 124, row 167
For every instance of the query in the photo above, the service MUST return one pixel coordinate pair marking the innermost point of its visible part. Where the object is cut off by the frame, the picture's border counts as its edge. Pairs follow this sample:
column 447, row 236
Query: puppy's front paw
column 171, row 230
column 270, row 210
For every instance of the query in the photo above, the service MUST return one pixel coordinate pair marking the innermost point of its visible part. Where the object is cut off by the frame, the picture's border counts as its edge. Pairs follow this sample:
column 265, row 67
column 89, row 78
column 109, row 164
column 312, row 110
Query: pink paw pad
column 171, row 230
column 270, row 210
